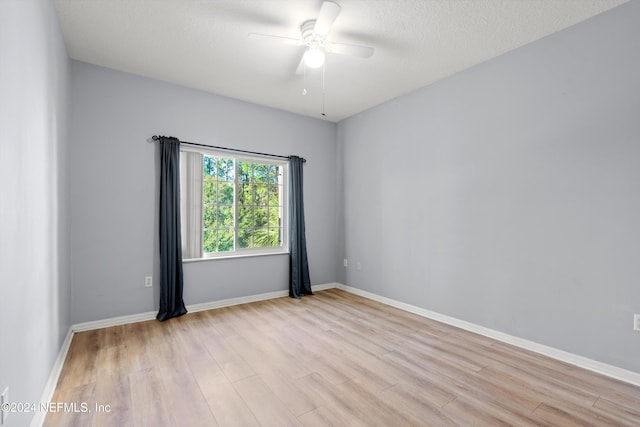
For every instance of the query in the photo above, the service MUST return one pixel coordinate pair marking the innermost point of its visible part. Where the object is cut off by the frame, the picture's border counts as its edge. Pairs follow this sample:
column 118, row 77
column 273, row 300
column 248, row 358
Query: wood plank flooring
column 329, row 359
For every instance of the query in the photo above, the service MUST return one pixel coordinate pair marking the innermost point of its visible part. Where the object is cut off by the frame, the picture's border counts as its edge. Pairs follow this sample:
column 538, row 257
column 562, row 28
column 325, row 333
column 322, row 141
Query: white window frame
column 239, row 252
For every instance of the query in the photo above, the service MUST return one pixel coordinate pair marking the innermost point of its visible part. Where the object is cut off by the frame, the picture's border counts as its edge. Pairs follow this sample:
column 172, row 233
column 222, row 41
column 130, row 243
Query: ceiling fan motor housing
column 309, row 36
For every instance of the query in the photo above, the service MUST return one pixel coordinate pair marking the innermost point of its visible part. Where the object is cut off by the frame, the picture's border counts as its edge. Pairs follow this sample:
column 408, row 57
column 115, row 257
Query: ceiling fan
column 313, row 34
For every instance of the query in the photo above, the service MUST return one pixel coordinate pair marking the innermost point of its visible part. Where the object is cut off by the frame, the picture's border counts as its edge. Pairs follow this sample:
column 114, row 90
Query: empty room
column 308, row 212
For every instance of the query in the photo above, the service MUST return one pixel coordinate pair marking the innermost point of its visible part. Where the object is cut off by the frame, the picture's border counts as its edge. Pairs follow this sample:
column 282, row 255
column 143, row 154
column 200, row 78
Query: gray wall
column 508, row 194
column 114, row 183
column 34, row 254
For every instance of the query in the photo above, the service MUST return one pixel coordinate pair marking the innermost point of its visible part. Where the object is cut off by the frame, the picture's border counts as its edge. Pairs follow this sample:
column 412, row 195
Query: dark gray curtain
column 171, row 303
column 299, row 282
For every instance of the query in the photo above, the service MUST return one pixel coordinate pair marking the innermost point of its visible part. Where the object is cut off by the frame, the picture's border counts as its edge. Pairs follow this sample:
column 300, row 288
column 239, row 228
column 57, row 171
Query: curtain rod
column 236, row 150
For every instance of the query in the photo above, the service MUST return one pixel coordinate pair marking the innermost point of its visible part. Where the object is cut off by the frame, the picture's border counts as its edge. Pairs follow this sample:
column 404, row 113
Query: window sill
column 234, row 256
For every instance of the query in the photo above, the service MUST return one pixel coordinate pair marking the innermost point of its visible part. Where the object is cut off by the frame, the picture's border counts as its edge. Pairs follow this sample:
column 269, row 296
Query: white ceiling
column 203, row 44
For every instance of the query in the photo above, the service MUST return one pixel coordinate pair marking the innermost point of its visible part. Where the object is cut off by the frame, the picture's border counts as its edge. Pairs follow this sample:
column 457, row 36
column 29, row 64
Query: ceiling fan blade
column 268, row 37
column 328, row 14
column 350, row 49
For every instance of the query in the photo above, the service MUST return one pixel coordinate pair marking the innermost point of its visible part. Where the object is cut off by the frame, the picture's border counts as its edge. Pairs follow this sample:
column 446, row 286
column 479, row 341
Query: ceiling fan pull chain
column 323, row 70
column 304, row 81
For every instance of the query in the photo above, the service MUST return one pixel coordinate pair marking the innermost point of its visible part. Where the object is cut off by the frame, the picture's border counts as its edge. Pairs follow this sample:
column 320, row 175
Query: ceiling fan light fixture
column 314, row 58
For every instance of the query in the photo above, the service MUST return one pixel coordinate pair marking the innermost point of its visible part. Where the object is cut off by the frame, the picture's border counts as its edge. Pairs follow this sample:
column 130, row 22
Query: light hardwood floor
column 329, row 359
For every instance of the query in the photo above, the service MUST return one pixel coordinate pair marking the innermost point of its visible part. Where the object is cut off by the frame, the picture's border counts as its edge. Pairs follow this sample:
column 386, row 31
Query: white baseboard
column 50, row 386
column 324, row 287
column 113, row 321
column 564, row 356
column 191, row 308
column 252, row 298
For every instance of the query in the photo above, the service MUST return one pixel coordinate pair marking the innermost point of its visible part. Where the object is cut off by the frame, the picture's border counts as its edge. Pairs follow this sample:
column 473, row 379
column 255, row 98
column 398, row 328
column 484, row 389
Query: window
column 231, row 205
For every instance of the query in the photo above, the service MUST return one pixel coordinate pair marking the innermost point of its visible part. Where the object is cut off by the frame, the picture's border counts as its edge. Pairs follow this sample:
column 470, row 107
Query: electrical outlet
column 4, row 401
column 346, row 262
column 636, row 322
column 358, row 266
column 148, row 281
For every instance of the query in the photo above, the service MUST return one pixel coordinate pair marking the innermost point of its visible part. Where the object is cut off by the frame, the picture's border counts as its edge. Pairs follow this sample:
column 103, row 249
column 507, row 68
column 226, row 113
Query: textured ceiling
column 204, row 44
